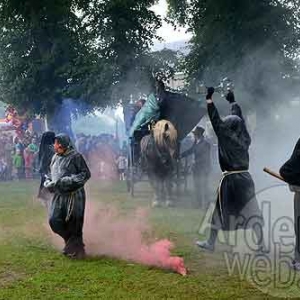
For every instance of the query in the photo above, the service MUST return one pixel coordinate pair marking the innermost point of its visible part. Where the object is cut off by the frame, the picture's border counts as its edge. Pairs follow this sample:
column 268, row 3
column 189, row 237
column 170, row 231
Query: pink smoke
column 109, row 232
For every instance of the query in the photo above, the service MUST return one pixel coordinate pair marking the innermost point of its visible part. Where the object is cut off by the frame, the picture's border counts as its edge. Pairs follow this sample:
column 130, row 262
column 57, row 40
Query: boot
column 78, row 254
column 209, row 245
column 296, row 266
column 206, row 245
column 66, row 248
column 76, row 251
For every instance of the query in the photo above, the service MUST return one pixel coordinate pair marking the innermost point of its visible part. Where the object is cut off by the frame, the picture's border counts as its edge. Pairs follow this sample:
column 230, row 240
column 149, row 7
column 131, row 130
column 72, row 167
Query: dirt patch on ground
column 9, row 277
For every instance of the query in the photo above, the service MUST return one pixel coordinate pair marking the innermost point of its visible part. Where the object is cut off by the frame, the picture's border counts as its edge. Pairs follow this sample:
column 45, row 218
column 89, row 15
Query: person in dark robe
column 46, row 152
column 290, row 172
column 236, row 205
column 69, row 173
column 202, row 165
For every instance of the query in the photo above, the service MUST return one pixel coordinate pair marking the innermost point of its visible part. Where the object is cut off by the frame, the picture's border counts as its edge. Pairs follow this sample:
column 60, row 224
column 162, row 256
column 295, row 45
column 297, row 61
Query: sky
column 167, row 31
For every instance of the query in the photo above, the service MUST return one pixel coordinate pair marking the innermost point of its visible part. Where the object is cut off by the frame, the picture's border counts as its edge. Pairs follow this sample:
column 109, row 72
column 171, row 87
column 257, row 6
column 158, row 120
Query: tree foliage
column 123, row 31
column 80, row 49
column 252, row 41
column 141, row 79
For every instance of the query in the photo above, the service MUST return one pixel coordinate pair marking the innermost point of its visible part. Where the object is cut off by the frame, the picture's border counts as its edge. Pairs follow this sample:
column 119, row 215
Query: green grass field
column 31, row 267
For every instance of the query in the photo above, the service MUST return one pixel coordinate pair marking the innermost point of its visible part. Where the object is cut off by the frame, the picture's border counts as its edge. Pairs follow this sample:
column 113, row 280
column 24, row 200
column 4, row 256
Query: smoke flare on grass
column 109, row 232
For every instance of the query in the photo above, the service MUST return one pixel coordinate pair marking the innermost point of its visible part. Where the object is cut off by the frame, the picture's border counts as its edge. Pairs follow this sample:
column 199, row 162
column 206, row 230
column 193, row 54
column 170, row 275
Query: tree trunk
column 60, row 121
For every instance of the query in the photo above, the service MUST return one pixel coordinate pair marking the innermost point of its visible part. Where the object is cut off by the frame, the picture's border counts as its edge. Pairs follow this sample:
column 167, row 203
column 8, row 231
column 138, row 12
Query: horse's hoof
column 169, row 204
column 155, row 204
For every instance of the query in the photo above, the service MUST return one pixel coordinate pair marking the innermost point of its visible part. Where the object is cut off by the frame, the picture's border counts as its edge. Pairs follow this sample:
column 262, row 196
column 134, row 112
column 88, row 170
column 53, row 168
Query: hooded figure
column 290, row 171
column 236, row 205
column 69, row 173
column 46, row 152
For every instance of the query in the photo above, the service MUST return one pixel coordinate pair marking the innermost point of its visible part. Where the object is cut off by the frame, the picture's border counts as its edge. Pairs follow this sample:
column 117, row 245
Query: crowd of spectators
column 106, row 159
column 18, row 156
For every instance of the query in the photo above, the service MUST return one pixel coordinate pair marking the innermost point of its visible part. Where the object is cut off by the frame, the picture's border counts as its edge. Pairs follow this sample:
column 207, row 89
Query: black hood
column 237, row 130
column 48, row 138
column 64, row 140
column 46, row 151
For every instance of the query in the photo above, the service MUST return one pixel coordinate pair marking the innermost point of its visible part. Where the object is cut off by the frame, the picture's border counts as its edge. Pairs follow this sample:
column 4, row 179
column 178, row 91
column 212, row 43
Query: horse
column 158, row 151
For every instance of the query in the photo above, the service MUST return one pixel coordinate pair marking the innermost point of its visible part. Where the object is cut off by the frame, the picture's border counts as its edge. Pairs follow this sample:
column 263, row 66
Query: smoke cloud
column 108, row 232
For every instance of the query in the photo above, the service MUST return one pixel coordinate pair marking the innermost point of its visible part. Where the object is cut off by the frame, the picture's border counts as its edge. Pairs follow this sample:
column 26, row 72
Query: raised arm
column 235, row 108
column 213, row 113
column 237, row 111
column 215, row 119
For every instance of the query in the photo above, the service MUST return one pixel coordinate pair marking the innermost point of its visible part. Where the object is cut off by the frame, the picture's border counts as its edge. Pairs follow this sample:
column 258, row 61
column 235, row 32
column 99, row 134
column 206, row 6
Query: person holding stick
column 290, row 172
column 236, row 206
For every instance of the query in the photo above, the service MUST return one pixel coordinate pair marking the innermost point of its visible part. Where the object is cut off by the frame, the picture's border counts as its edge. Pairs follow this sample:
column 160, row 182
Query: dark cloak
column 46, row 152
column 290, row 171
column 183, row 112
column 69, row 172
column 236, row 205
column 202, row 155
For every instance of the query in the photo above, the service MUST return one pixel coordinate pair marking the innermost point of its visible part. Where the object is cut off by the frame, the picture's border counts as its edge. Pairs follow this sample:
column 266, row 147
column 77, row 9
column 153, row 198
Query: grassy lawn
column 32, row 268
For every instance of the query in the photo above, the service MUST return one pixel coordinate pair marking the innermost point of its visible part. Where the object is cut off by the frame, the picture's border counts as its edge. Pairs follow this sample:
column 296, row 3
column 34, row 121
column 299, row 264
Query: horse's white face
column 171, row 146
column 165, row 136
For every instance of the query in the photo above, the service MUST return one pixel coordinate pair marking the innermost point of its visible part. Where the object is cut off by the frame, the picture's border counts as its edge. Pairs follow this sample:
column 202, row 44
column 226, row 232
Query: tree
column 2, row 110
column 141, row 79
column 42, row 54
column 251, row 41
column 79, row 49
column 124, row 30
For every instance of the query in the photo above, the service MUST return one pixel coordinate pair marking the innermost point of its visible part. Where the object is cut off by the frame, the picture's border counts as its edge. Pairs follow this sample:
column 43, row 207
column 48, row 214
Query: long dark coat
column 290, row 171
column 46, row 152
column 202, row 155
column 236, row 205
column 70, row 173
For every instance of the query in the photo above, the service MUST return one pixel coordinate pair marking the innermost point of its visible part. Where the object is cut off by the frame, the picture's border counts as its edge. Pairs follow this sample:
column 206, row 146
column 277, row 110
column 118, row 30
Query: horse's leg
column 163, row 192
column 160, row 190
column 169, row 194
column 154, row 185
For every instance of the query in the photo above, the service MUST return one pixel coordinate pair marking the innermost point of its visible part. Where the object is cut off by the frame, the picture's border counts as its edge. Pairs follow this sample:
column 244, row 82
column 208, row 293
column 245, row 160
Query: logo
column 270, row 269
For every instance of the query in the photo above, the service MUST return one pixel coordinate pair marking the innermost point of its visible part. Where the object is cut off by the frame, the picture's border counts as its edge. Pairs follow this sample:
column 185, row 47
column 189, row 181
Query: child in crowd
column 122, row 165
column 18, row 163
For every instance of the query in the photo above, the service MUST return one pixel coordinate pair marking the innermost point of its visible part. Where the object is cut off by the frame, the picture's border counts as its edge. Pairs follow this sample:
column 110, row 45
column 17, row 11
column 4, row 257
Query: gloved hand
column 210, row 92
column 48, row 184
column 65, row 180
column 47, row 178
column 230, row 97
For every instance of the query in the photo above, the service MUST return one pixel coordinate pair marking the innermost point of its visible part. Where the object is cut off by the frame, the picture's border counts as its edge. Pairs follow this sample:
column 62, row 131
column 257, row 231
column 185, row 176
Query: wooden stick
column 276, row 175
